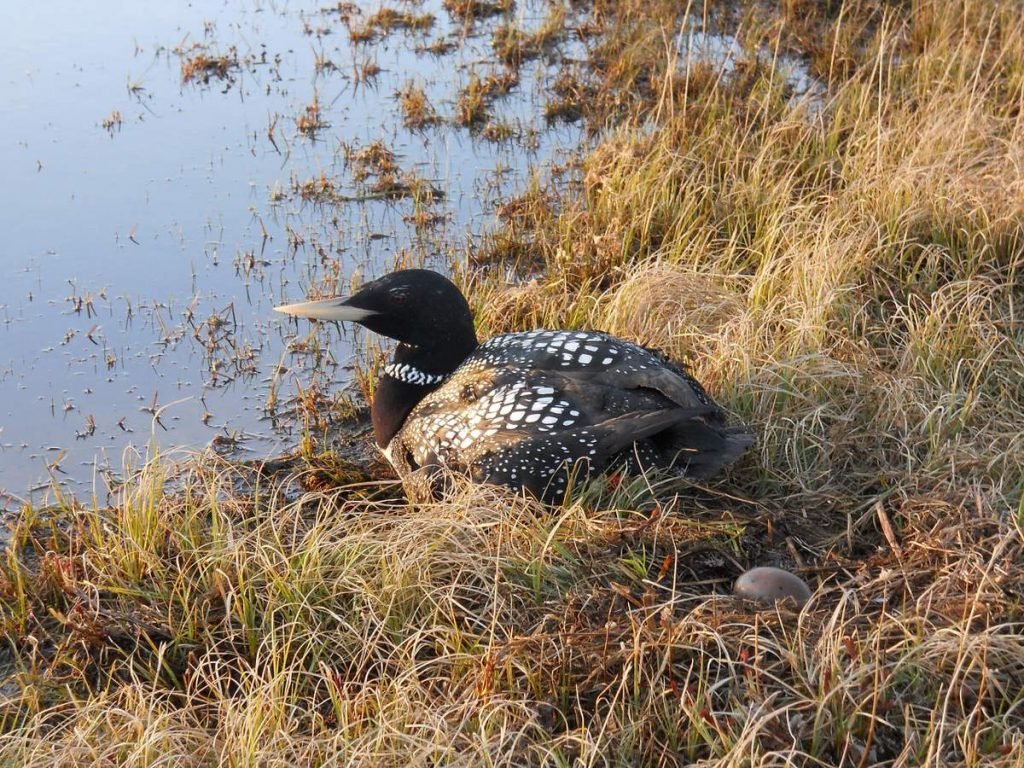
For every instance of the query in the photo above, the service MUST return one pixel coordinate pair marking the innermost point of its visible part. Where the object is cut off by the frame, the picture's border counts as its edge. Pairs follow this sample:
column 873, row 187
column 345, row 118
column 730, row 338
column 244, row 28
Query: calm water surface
column 141, row 258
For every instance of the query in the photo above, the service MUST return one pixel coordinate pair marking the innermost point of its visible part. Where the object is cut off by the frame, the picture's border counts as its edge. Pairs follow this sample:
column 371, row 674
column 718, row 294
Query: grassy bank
column 841, row 267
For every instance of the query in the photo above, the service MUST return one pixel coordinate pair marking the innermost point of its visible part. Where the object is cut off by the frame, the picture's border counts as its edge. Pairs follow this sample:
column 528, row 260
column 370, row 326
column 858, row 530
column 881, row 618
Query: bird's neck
column 413, row 373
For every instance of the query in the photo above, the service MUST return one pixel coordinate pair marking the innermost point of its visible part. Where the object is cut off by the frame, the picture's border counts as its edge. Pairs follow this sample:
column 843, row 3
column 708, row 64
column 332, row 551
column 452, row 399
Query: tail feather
column 621, row 432
column 703, row 450
column 683, row 438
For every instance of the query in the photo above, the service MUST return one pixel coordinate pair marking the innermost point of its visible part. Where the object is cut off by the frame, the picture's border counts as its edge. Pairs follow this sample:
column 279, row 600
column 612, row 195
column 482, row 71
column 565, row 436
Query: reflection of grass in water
column 417, row 111
column 513, row 45
column 384, row 21
column 846, row 277
column 475, row 99
column 568, row 97
column 374, row 159
column 367, row 71
column 202, row 67
column 470, row 10
column 310, row 121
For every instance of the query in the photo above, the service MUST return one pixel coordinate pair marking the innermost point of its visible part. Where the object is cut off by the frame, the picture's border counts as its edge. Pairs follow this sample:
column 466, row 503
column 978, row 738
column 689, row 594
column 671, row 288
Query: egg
column 768, row 585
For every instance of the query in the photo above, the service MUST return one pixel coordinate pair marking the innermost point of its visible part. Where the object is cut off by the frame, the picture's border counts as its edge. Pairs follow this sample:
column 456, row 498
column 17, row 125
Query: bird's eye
column 399, row 297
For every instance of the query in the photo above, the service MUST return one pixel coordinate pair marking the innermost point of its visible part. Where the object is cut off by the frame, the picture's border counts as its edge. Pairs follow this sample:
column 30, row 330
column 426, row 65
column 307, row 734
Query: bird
column 537, row 411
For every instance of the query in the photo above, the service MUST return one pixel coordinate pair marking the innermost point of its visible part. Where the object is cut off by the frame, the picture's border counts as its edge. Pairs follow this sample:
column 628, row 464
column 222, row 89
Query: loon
column 535, row 411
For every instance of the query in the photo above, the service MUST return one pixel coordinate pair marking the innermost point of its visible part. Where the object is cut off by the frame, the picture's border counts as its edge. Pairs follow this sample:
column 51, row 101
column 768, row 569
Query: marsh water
column 151, row 221
column 174, row 170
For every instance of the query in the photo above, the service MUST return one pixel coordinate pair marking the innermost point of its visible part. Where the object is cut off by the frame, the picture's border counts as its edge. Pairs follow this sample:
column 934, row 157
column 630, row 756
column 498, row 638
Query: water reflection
column 151, row 225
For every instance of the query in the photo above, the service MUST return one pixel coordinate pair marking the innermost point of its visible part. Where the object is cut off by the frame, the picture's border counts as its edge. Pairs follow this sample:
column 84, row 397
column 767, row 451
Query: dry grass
column 471, row 10
column 113, row 122
column 243, row 620
column 384, row 21
column 845, row 275
column 473, row 109
column 310, row 121
column 514, row 45
column 203, row 66
column 417, row 111
column 571, row 96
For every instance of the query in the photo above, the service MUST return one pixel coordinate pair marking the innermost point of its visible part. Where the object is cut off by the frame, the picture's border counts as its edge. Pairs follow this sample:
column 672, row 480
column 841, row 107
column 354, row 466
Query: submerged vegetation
column 841, row 264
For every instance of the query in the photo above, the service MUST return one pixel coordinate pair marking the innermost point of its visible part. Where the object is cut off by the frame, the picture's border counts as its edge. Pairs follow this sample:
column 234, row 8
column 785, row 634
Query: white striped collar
column 411, row 375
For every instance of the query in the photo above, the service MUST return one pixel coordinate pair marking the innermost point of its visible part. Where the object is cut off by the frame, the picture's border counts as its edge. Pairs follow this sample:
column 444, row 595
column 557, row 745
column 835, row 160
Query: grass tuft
column 840, row 265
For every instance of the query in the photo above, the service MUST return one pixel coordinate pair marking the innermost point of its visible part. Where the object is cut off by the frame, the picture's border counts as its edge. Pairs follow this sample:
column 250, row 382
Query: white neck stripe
column 411, row 375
